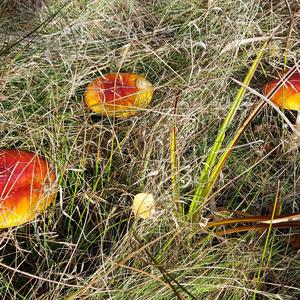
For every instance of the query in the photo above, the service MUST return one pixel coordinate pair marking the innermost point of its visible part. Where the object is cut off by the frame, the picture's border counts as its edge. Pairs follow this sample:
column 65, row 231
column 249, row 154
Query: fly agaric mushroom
column 26, row 187
column 287, row 96
column 118, row 94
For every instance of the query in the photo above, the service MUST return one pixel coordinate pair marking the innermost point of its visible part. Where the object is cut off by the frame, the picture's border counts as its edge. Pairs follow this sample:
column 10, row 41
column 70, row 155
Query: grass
column 87, row 245
column 207, row 181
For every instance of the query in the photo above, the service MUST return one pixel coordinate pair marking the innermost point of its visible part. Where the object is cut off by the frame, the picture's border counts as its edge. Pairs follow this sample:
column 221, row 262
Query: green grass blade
column 210, row 162
column 264, row 253
column 228, row 150
column 175, row 163
column 226, row 154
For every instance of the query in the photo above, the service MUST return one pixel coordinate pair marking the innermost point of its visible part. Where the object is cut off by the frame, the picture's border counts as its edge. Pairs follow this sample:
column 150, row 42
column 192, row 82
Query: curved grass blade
column 229, row 148
column 257, row 227
column 198, row 198
column 40, row 26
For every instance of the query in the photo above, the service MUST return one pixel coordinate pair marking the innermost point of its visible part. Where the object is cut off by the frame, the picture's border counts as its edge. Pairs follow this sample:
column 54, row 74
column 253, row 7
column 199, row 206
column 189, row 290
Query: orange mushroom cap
column 26, row 186
column 288, row 95
column 118, row 94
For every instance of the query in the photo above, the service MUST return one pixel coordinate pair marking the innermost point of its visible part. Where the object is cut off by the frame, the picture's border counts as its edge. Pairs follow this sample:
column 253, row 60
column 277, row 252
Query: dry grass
column 87, row 245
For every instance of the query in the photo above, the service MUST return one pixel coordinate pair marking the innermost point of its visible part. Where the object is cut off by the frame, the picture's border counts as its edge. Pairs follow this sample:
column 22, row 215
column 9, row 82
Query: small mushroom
column 118, row 94
column 287, row 96
column 26, row 187
column 143, row 206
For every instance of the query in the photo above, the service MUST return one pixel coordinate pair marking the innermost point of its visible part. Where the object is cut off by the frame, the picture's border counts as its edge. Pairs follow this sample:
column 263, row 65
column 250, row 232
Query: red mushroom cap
column 118, row 94
column 26, row 186
column 288, row 95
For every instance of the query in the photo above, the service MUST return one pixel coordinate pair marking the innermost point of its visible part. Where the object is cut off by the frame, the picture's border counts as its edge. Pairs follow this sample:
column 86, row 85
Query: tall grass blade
column 228, row 150
column 175, row 163
column 264, row 254
column 210, row 162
